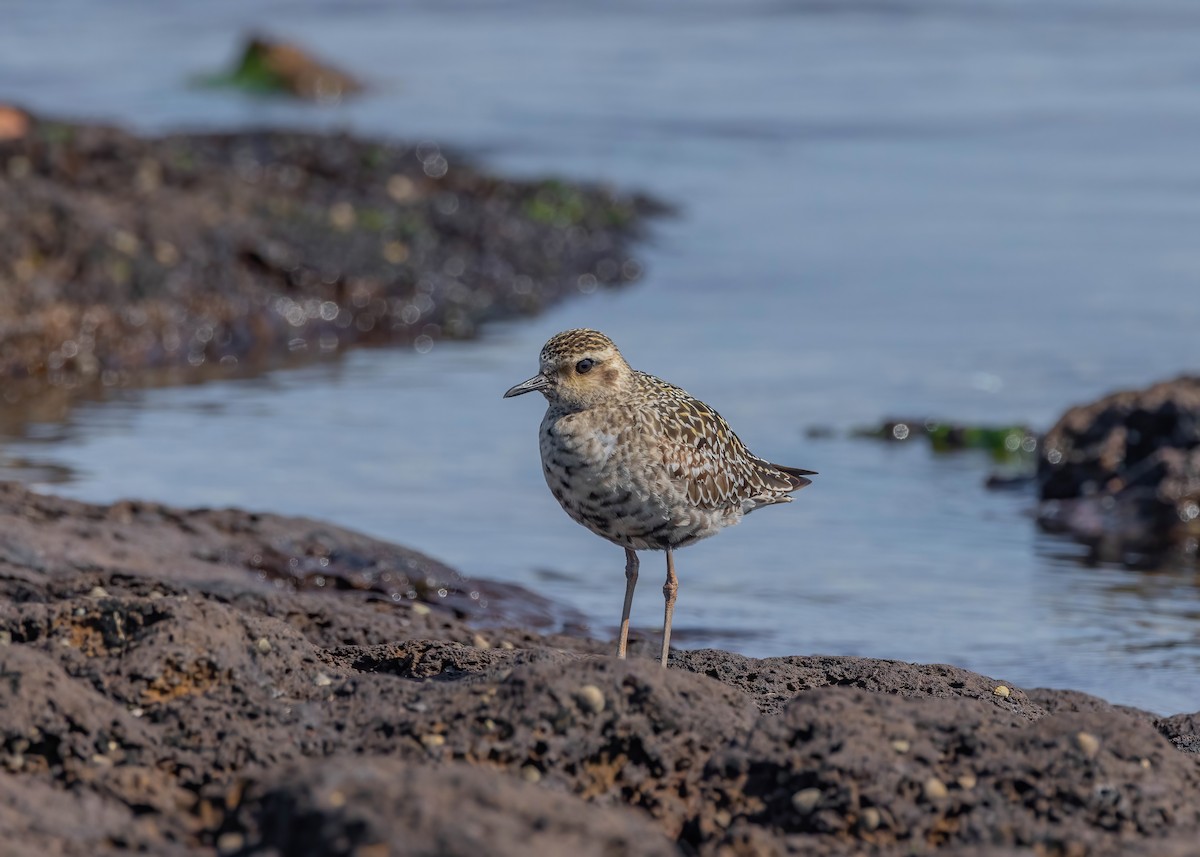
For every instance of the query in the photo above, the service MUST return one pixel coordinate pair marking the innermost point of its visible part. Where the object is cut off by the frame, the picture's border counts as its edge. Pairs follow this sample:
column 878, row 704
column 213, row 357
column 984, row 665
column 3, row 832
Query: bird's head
column 579, row 369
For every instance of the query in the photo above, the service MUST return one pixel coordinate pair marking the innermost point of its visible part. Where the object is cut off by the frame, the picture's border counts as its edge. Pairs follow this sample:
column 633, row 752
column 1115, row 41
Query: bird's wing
column 701, row 451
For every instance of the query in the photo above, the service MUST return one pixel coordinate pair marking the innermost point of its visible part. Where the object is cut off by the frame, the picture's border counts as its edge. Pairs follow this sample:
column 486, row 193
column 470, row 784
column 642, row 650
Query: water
column 978, row 210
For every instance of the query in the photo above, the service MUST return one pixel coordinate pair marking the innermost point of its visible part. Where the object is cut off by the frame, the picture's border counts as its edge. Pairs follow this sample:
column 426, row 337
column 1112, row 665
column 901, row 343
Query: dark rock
column 273, row 67
column 1056, row 701
column 772, row 682
column 351, row 805
column 14, row 122
column 125, row 259
column 1002, row 441
column 1123, row 473
column 39, row 818
column 844, row 769
column 1011, row 448
column 161, row 692
column 1182, row 730
column 52, row 724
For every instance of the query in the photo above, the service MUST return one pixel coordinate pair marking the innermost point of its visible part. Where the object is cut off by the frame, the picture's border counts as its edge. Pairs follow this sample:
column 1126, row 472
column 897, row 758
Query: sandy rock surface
column 200, row 682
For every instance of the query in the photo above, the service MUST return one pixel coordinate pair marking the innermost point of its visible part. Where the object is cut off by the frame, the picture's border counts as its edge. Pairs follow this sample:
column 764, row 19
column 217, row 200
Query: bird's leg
column 669, row 590
column 631, row 571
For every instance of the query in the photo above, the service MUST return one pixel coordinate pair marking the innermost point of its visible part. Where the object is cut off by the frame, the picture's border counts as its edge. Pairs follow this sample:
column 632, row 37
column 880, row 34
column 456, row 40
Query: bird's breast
column 582, row 449
column 614, row 483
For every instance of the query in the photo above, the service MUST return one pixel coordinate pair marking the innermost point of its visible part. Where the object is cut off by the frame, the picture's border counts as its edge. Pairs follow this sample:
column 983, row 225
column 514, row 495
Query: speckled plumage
column 640, row 462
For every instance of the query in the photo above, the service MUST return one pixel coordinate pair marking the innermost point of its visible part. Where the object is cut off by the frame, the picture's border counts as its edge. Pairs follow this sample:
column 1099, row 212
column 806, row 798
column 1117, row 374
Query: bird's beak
column 537, row 382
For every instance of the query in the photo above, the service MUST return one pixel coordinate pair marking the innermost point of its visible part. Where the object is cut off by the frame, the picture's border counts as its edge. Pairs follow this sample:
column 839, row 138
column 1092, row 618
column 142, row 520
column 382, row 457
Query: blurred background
column 983, row 211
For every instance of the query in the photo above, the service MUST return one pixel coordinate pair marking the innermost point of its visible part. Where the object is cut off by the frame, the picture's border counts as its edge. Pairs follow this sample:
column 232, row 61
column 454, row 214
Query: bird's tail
column 796, row 476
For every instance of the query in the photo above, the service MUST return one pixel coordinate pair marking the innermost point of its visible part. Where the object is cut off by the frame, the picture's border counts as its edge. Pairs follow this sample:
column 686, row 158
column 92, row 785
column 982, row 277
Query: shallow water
column 982, row 210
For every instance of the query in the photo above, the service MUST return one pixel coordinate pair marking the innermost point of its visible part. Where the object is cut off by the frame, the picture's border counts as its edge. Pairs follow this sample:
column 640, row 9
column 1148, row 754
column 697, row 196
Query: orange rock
column 14, row 122
column 298, row 72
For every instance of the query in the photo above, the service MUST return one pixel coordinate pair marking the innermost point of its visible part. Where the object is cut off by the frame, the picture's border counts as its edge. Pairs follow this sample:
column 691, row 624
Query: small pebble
column 935, row 789
column 901, row 746
column 395, row 252
column 322, row 680
column 5, row 638
column 234, row 794
column 336, row 799
column 480, row 642
column 1088, row 743
column 505, row 644
column 967, row 781
column 263, row 645
column 341, row 215
column 401, row 188
column 870, row 818
column 1002, row 690
column 137, row 712
column 1145, row 763
column 421, row 609
column 530, row 774
column 722, row 818
column 98, row 592
column 590, row 698
column 229, row 843
column 806, row 800
column 433, row 740
column 19, row 166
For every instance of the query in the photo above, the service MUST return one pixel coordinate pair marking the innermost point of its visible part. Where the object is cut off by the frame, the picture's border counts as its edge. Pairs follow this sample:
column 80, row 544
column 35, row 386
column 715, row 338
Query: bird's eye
column 585, row 365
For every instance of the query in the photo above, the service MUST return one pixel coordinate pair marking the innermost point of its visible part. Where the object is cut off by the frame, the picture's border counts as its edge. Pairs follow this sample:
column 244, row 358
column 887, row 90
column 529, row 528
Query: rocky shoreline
column 199, row 682
column 125, row 258
column 217, row 681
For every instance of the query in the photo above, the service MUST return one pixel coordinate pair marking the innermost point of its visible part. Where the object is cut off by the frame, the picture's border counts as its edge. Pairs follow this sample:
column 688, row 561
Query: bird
column 641, row 463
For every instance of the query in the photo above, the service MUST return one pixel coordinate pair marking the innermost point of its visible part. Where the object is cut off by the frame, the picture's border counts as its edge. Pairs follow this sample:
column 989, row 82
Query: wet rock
column 1123, row 473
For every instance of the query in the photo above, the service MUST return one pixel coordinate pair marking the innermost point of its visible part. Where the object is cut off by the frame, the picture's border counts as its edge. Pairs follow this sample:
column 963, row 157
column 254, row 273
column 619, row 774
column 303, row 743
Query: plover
column 640, row 462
